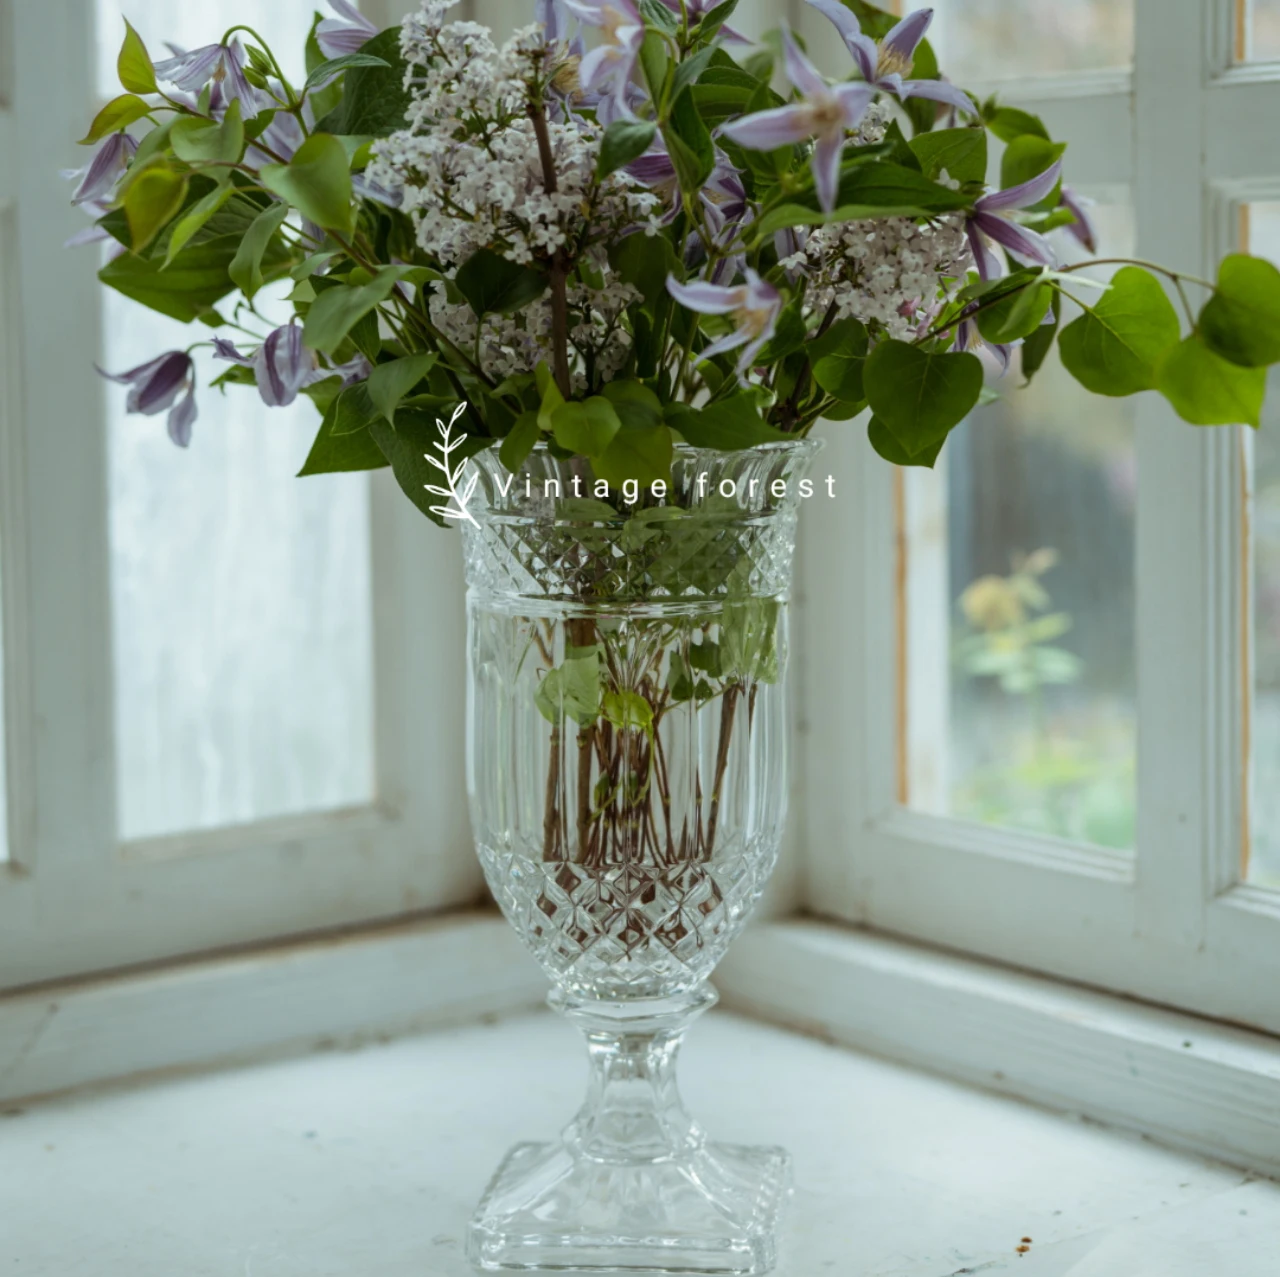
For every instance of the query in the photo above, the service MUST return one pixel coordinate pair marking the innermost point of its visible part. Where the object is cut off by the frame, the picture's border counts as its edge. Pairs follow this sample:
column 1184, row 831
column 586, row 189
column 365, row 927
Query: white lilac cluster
column 470, row 171
column 891, row 272
column 512, row 344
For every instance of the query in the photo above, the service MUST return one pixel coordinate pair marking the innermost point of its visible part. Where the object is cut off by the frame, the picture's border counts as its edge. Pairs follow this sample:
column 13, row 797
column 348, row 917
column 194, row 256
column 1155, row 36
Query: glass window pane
column 1263, row 864
column 1010, row 39
column 241, row 608
column 1018, row 684
column 1257, row 30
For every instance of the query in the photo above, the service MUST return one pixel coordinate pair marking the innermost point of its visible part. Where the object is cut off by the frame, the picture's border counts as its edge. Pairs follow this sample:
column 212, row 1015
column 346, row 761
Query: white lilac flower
column 825, row 113
column 754, row 306
column 155, row 387
column 346, row 33
column 992, row 219
column 885, row 65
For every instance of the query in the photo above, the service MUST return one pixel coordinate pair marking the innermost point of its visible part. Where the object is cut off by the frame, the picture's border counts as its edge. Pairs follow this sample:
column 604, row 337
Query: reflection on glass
column 1263, row 225
column 1001, row 39
column 241, row 611
column 240, row 604
column 1019, row 678
column 1258, row 36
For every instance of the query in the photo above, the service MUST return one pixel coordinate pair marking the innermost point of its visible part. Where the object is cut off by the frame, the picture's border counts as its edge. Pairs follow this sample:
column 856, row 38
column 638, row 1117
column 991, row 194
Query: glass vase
column 627, row 774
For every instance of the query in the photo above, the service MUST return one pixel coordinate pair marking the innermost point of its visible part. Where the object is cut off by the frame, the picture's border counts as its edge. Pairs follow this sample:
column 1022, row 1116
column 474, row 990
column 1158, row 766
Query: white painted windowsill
column 368, row 1163
column 1207, row 1088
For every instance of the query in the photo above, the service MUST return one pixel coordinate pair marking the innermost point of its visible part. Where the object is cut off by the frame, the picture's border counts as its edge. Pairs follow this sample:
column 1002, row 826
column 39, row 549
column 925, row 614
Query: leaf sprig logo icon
column 455, row 499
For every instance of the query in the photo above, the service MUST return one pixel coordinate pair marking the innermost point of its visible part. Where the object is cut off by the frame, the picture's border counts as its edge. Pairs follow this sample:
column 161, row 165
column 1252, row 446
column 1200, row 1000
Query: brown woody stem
column 557, row 273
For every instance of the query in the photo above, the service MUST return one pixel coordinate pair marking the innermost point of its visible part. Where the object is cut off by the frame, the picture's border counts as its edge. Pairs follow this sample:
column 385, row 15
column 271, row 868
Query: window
column 242, row 729
column 1036, row 692
column 1257, row 31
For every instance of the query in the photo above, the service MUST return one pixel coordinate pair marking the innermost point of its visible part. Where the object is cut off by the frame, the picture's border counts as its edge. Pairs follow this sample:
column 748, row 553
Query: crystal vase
column 627, row 774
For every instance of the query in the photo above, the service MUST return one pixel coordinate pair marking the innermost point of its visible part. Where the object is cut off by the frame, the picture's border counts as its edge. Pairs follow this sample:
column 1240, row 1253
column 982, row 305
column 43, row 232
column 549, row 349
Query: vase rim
column 808, row 444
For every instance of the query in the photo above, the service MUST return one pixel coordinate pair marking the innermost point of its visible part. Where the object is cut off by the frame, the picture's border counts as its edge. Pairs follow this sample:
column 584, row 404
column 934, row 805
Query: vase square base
column 713, row 1210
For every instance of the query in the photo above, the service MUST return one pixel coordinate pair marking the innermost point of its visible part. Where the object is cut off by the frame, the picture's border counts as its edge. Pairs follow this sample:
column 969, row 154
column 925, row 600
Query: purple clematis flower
column 282, row 365
column 344, row 34
column 969, row 338
column 221, row 64
column 610, row 63
column 992, row 219
column 99, row 176
column 825, row 112
column 1083, row 228
column 156, row 385
column 885, row 65
column 754, row 305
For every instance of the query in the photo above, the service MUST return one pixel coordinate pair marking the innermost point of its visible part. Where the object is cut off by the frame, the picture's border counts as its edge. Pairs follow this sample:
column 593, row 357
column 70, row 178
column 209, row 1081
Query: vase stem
column 633, row 1111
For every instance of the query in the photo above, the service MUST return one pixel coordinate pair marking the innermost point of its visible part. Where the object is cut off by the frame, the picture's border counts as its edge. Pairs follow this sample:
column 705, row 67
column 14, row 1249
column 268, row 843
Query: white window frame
column 1174, row 924
column 73, row 897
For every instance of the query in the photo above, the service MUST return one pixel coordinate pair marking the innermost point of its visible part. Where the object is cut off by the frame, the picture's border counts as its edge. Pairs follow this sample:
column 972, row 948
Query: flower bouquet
column 586, row 293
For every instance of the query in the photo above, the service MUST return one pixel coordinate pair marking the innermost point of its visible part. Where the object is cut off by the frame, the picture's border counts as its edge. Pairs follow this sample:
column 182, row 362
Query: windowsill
column 348, row 1164
column 1206, row 1087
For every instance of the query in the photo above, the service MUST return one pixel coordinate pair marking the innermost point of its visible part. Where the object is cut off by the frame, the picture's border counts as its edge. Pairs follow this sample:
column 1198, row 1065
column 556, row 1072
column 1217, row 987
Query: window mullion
column 1176, row 507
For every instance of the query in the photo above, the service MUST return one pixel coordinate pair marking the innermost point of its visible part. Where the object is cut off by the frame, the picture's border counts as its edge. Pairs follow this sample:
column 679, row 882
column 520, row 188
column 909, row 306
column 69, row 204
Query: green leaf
column 337, row 310
column 644, row 263
column 728, row 426
column 1207, row 390
column 246, row 266
column 119, row 113
column 789, row 335
column 838, row 358
column 624, row 141
column 1035, row 350
column 317, row 182
column 1026, row 157
column 641, row 455
column 390, row 382
column 195, row 218
column 884, row 441
column 406, row 445
column 493, row 285
column 867, row 190
column 332, row 452
column 689, row 70
column 200, row 141
column 962, row 153
column 1241, row 321
column 689, row 143
column 920, row 395
column 654, row 62
column 374, row 98
column 520, row 441
column 151, row 200
column 184, row 288
column 1018, row 314
column 572, row 688
column 354, row 410
column 585, row 427
column 1009, row 123
column 335, row 66
column 659, row 17
column 551, row 398
column 1115, row 347
column 635, row 404
column 628, row 710
column 134, row 63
